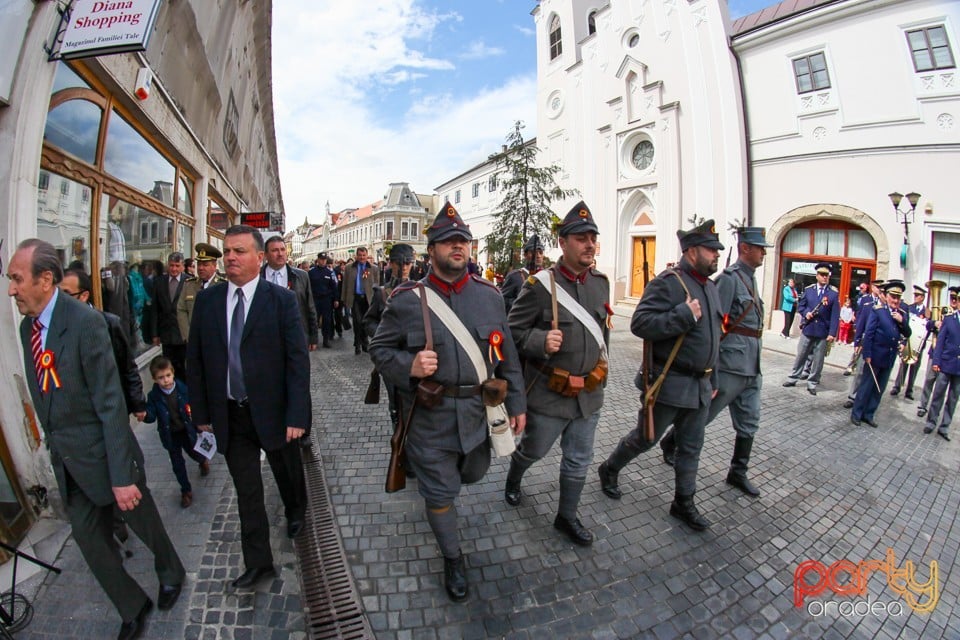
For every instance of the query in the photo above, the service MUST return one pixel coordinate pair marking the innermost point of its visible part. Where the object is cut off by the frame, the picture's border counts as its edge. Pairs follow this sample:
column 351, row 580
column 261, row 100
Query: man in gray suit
column 277, row 271
column 97, row 461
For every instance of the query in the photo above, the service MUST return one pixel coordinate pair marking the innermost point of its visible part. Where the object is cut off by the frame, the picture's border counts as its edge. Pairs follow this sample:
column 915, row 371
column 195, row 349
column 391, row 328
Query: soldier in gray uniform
column 739, row 376
column 680, row 302
column 532, row 263
column 565, row 368
column 447, row 444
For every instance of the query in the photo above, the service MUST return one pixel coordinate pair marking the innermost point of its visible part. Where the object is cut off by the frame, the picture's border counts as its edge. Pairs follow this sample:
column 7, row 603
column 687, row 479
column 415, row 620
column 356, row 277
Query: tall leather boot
column 518, row 466
column 737, row 476
column 610, row 469
column 683, row 509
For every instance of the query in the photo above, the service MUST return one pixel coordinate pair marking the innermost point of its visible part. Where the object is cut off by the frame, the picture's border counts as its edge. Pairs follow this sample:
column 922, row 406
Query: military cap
column 919, row 291
column 954, row 292
column 824, row 268
column 533, row 244
column 321, row 256
column 877, row 283
column 756, row 236
column 894, row 288
column 207, row 252
column 578, row 220
column 401, row 254
column 703, row 236
column 448, row 224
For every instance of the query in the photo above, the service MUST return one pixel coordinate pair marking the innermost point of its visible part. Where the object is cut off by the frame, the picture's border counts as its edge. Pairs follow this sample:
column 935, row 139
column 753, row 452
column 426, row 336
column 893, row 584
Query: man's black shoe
column 251, row 577
column 326, row 343
column 848, row 404
column 908, row 395
column 356, row 350
column 790, row 383
column 133, row 629
column 927, row 430
column 167, row 597
column 364, row 346
column 683, row 509
column 608, row 482
column 943, row 435
column 921, row 412
column 871, row 423
column 854, row 421
column 512, row 493
column 895, row 391
column 574, row 530
column 455, row 578
column 743, row 483
column 294, row 527
column 811, row 391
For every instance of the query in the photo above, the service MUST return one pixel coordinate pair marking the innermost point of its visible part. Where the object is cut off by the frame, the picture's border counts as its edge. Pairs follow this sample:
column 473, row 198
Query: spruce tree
column 528, row 191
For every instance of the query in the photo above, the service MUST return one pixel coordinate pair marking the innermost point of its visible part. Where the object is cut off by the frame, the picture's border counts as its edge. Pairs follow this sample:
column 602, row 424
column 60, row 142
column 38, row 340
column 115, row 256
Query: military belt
column 743, row 331
column 690, row 373
column 463, row 391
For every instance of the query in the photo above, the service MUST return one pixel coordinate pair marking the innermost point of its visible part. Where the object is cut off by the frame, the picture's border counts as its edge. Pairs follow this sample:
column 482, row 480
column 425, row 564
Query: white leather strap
column 576, row 310
column 460, row 333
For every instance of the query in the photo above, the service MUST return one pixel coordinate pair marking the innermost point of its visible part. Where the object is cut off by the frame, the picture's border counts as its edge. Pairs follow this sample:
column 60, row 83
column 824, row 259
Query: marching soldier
column 326, row 295
column 679, row 318
column 945, row 362
column 401, row 261
column 819, row 311
column 565, row 368
column 447, row 438
column 207, row 276
column 907, row 375
column 532, row 263
column 881, row 341
column 738, row 377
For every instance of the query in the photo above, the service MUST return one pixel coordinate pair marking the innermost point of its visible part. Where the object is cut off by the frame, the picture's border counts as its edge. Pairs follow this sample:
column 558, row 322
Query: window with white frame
column 811, row 72
column 456, row 197
column 404, row 229
column 476, row 189
column 556, row 46
column 930, row 48
column 413, row 230
column 492, row 183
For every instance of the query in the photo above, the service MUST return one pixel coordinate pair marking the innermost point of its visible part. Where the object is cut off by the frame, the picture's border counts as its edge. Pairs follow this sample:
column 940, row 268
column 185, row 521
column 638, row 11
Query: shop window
column 74, row 126
column 185, row 240
column 860, row 245
column 185, row 196
column 828, row 242
column 218, row 216
column 797, row 241
column 66, row 78
column 129, row 157
column 64, row 220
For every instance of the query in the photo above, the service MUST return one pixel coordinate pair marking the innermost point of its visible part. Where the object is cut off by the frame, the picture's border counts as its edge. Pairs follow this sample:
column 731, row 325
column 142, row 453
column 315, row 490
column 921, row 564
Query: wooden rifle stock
column 649, row 430
column 396, row 475
column 373, row 388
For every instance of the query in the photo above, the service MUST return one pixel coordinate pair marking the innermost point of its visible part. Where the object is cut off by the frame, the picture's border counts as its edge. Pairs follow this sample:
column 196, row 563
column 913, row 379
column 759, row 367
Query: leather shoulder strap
column 425, row 310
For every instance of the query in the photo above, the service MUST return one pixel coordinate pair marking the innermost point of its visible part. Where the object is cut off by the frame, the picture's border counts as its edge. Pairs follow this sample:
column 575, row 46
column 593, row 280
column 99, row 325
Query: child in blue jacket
column 169, row 404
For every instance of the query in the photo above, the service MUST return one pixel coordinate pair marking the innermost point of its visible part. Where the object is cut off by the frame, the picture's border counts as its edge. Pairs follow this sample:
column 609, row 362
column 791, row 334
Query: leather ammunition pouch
column 568, row 385
column 429, row 393
column 493, row 391
column 596, row 377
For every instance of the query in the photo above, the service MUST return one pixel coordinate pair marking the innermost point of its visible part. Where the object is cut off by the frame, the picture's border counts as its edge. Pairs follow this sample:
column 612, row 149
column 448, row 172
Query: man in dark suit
column 97, row 461
column 277, row 271
column 249, row 375
column 359, row 278
column 819, row 310
column 166, row 329
column 326, row 295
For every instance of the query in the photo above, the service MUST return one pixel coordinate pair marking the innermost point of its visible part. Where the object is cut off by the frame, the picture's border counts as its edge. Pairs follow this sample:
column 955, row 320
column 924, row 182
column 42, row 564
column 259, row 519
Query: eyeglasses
column 75, row 294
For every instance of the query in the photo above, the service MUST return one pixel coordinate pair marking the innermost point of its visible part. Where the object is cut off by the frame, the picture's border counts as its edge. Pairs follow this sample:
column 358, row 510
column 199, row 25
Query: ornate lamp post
column 906, row 217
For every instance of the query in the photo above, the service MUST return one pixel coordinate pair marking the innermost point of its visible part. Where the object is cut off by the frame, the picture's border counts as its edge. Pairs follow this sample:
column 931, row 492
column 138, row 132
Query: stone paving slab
column 831, row 491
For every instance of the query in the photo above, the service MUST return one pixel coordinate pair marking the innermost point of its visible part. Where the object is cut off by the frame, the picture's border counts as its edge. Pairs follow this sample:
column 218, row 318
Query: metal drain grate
column 331, row 604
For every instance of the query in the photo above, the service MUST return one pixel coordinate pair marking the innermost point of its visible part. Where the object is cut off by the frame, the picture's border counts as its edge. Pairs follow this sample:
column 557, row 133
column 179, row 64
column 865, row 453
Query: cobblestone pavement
column 831, row 491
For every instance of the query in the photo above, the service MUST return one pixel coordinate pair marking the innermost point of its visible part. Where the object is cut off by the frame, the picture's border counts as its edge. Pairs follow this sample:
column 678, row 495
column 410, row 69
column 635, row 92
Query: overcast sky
column 417, row 91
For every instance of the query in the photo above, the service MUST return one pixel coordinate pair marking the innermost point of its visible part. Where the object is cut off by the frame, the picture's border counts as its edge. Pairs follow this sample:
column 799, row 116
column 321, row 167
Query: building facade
column 847, row 102
column 117, row 175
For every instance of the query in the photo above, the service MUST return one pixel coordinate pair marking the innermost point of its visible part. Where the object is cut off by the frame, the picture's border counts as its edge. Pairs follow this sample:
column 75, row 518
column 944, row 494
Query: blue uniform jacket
column 946, row 355
column 881, row 338
column 157, row 410
column 323, row 281
column 827, row 319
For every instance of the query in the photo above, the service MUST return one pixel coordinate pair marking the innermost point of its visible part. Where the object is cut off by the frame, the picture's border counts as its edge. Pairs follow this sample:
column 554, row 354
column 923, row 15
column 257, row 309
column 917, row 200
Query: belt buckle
column 707, row 372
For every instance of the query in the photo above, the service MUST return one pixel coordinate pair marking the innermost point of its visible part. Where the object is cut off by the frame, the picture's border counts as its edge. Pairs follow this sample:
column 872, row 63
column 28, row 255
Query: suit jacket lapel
column 54, row 343
column 220, row 312
column 256, row 307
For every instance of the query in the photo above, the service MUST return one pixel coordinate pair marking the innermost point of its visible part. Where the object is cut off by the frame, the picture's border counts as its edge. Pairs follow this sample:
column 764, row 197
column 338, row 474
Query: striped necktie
column 36, row 346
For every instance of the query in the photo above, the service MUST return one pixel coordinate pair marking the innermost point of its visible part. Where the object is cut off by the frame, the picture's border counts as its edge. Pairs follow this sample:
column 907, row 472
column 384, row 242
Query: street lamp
column 906, row 217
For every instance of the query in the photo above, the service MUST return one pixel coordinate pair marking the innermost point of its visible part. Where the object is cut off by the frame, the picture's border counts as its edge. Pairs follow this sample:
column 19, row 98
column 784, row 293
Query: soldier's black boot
column 455, row 578
column 567, row 521
column 511, row 492
column 394, row 418
column 737, row 476
column 683, row 509
column 669, row 447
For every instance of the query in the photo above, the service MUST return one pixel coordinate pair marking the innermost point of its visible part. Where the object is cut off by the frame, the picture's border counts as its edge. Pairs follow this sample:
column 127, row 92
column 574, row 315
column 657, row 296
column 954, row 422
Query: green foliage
column 528, row 191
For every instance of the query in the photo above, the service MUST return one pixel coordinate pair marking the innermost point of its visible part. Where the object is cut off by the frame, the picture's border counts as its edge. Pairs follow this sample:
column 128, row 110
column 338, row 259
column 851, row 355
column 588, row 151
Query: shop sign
column 97, row 28
column 259, row 220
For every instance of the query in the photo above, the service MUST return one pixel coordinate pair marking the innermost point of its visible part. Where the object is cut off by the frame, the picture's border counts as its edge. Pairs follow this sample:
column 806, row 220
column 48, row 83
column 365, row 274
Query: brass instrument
column 936, row 288
column 912, row 352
